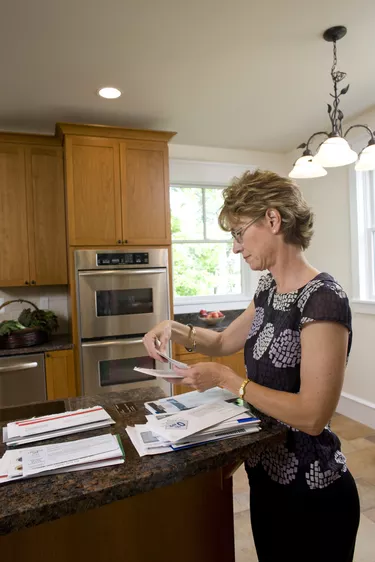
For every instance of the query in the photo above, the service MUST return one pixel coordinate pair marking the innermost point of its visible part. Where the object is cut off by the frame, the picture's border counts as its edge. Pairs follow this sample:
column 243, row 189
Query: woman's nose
column 237, row 247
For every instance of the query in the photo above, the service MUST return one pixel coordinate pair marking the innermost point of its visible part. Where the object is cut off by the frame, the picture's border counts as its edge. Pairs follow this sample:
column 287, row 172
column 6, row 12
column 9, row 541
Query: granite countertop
column 38, row 500
column 193, row 318
column 56, row 343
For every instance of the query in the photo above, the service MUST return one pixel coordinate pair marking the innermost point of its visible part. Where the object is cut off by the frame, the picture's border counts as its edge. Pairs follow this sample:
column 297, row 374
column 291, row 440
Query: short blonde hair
column 254, row 192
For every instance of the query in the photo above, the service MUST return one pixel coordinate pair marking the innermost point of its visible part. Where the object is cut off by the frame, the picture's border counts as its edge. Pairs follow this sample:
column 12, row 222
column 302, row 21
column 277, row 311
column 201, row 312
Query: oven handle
column 19, row 367
column 123, row 272
column 108, row 343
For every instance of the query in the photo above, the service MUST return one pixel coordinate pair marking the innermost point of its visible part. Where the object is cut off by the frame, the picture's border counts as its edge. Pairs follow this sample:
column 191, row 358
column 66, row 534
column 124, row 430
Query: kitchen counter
column 56, row 343
column 193, row 318
column 40, row 501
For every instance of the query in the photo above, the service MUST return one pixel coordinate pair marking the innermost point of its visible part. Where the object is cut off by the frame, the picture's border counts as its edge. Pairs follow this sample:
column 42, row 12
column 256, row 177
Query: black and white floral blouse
column 273, row 359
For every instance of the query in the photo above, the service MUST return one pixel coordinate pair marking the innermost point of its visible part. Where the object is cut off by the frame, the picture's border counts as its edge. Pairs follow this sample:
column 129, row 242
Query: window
column 363, row 236
column 205, row 269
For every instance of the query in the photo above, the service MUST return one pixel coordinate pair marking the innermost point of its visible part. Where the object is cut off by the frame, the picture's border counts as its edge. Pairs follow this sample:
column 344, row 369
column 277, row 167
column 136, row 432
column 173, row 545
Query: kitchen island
column 171, row 507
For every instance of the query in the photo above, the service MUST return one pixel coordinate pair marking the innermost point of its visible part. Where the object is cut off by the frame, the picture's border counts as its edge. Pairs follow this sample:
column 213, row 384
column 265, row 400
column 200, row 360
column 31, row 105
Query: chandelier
column 335, row 150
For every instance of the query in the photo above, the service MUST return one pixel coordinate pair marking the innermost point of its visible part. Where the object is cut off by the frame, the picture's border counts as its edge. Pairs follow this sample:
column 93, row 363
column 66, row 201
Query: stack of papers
column 191, row 419
column 23, row 432
column 83, row 454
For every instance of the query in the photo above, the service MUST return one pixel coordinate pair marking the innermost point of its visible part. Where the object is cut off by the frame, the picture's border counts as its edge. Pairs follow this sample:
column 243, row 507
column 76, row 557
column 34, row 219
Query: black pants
column 305, row 525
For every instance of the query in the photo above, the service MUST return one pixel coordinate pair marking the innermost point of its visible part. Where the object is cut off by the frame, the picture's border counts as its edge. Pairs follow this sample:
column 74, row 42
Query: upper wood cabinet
column 117, row 186
column 32, row 213
column 14, row 255
column 145, row 192
column 46, row 203
column 93, row 191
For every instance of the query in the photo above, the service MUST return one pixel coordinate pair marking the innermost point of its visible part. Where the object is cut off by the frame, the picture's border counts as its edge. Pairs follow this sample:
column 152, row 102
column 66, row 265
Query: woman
column 296, row 336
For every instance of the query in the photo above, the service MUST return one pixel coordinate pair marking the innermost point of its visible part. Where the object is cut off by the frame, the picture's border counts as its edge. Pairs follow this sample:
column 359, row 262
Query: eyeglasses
column 237, row 235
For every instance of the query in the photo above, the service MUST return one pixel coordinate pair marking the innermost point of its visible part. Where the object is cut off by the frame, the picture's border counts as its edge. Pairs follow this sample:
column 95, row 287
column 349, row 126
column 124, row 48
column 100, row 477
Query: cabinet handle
column 118, row 241
column 33, row 282
column 26, row 282
column 124, row 241
column 48, row 355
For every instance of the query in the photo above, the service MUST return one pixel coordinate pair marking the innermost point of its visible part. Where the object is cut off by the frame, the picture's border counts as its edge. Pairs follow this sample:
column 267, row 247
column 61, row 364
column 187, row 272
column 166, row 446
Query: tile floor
column 358, row 445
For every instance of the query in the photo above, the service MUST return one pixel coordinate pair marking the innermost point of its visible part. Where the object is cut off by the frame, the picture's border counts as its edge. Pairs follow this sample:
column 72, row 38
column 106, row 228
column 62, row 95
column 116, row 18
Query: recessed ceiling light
column 109, row 93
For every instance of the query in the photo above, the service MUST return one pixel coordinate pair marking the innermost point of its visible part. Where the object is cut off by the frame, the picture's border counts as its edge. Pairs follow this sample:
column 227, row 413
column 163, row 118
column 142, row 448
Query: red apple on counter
column 220, row 314
column 214, row 315
column 203, row 312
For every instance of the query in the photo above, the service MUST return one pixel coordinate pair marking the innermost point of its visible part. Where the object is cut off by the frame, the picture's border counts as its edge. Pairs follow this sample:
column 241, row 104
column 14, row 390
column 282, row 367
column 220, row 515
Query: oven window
column 120, row 371
column 121, row 302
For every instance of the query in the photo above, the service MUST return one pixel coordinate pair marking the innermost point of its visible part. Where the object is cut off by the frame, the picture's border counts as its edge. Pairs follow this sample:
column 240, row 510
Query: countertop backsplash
column 53, row 298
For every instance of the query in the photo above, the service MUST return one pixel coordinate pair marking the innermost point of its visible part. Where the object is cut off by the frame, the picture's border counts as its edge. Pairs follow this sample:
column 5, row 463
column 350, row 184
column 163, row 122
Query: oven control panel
column 126, row 258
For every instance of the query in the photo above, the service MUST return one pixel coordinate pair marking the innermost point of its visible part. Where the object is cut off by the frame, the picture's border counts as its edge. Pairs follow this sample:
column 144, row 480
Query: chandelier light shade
column 306, row 167
column 335, row 150
column 366, row 161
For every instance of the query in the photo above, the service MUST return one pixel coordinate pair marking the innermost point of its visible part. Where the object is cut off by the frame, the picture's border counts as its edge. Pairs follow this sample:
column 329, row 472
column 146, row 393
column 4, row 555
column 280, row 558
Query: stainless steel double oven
column 121, row 295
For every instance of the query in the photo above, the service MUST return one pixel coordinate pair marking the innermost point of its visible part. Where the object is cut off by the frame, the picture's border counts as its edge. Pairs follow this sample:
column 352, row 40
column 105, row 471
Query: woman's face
column 257, row 240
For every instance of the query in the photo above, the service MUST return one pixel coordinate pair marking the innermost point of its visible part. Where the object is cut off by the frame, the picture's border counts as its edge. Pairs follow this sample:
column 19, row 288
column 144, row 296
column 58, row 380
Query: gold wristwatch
column 242, row 390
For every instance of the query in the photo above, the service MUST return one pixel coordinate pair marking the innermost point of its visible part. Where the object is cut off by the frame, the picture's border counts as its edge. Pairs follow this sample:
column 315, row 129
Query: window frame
column 249, row 279
column 362, row 211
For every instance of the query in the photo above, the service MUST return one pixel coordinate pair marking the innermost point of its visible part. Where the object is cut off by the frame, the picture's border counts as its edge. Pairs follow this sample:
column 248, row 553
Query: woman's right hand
column 157, row 339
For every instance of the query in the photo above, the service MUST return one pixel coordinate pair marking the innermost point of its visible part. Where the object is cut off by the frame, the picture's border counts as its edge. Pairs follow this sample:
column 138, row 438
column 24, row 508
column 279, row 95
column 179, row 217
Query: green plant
column 9, row 326
column 43, row 319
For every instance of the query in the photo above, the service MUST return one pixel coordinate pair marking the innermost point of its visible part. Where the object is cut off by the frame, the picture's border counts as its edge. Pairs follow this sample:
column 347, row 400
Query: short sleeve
column 325, row 302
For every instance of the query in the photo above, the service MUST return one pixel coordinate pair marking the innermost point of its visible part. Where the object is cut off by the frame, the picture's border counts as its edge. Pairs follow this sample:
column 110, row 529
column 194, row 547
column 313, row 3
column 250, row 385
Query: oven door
column 122, row 302
column 108, row 366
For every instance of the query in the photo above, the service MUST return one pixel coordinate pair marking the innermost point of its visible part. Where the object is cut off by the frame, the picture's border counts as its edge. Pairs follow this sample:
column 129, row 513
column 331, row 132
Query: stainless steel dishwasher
column 22, row 380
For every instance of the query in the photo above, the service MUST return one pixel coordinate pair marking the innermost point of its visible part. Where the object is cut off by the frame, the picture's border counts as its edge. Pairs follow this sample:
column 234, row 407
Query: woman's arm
column 323, row 361
column 208, row 342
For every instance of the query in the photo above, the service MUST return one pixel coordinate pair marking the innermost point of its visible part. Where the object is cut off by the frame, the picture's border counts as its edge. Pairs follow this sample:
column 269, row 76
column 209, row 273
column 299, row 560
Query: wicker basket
column 23, row 338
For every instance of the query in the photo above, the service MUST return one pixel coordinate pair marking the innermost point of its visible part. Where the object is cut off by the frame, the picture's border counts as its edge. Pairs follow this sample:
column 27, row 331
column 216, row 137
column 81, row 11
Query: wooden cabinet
column 145, row 193
column 60, row 374
column 117, row 186
column 235, row 362
column 32, row 215
column 93, row 191
column 14, row 255
column 46, row 224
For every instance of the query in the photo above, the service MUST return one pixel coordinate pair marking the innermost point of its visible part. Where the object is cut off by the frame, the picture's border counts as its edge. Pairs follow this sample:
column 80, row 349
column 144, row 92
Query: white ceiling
column 231, row 73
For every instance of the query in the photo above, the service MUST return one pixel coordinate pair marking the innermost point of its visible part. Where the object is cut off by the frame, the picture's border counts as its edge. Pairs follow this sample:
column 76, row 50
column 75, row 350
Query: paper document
column 46, row 424
column 93, row 452
column 159, row 373
column 180, row 426
column 174, row 404
column 173, row 361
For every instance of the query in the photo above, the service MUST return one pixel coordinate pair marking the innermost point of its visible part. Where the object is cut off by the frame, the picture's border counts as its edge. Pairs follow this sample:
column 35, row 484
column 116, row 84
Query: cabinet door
column 93, row 191
column 180, row 353
column 46, row 205
column 235, row 362
column 145, row 192
column 60, row 375
column 14, row 254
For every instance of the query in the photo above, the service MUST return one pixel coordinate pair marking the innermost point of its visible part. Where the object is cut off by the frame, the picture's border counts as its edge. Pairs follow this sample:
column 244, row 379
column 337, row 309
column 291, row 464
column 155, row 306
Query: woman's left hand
column 201, row 376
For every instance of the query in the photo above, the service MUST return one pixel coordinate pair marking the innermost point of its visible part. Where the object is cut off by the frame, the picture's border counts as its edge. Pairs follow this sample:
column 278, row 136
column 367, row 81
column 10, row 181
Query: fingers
column 165, row 337
column 149, row 341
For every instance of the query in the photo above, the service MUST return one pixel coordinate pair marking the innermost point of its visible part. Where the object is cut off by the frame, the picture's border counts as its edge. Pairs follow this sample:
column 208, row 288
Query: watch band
column 242, row 390
column 191, row 337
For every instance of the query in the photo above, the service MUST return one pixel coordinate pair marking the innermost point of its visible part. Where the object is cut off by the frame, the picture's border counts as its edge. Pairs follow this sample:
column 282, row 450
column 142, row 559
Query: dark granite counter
column 193, row 318
column 35, row 501
column 56, row 343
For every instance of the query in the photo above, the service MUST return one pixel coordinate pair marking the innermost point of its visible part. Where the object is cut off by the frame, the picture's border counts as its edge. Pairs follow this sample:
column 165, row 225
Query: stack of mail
column 23, row 432
column 83, row 454
column 191, row 419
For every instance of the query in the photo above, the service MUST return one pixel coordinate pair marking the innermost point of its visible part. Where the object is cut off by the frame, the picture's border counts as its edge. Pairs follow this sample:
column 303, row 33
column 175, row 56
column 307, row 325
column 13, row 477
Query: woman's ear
column 273, row 219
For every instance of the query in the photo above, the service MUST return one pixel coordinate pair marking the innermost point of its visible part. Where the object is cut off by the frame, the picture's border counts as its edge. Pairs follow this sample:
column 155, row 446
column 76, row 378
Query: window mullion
column 204, row 214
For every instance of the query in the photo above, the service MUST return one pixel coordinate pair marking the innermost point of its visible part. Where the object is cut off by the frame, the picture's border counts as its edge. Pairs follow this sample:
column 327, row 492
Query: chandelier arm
column 307, row 151
column 363, row 127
